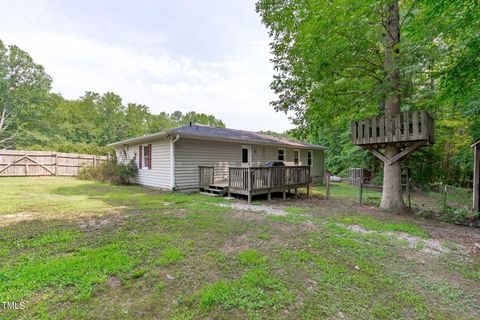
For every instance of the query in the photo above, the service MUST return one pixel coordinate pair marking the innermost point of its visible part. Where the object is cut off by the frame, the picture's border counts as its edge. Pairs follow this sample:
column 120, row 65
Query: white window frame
column 298, row 159
column 310, row 152
column 249, row 163
column 145, row 156
column 284, row 154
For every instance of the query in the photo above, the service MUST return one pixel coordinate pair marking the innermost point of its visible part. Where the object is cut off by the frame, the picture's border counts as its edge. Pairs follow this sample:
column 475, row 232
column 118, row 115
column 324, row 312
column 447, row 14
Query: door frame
column 249, row 163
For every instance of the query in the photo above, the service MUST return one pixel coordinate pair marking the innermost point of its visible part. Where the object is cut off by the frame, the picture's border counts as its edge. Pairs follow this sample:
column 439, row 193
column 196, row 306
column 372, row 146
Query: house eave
column 246, row 141
column 142, row 139
column 164, row 135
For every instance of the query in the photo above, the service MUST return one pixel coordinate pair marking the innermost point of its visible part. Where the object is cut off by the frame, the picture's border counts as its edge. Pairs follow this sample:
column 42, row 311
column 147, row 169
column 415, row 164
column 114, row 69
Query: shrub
column 461, row 216
column 110, row 171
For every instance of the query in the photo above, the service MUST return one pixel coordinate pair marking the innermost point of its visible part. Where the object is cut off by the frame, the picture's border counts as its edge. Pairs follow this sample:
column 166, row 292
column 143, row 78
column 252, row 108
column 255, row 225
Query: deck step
column 210, row 194
column 217, row 187
column 214, row 190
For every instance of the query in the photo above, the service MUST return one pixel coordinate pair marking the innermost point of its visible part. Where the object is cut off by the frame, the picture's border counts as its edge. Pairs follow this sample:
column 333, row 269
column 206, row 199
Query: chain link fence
column 439, row 201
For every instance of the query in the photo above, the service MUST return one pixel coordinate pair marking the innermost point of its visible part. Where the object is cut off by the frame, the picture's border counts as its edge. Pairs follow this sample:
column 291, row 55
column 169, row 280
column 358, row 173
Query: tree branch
column 408, row 13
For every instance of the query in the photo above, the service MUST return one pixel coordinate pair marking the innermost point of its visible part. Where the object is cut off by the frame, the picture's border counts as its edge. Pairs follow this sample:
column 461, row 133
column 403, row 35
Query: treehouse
column 407, row 130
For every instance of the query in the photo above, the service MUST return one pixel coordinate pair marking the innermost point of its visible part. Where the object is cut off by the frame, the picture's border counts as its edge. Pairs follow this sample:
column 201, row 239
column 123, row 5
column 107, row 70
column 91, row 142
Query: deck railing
column 256, row 179
column 404, row 127
column 206, row 176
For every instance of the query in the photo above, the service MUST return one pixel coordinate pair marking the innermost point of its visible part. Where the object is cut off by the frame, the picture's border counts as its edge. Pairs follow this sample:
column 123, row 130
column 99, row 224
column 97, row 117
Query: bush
column 461, row 216
column 110, row 171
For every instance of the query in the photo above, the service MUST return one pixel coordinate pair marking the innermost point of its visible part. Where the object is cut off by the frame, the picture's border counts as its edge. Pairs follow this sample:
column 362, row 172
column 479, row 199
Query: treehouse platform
column 405, row 129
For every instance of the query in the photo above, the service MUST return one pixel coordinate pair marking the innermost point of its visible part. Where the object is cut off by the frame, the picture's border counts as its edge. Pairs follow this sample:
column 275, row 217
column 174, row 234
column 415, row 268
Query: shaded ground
column 76, row 249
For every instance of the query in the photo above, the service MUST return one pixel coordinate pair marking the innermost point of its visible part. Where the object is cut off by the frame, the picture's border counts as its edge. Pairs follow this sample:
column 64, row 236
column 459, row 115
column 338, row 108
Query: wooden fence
column 14, row 163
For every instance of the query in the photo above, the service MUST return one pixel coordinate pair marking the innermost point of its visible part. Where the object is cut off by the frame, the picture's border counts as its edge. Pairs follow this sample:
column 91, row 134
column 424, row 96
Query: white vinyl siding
column 192, row 153
column 159, row 175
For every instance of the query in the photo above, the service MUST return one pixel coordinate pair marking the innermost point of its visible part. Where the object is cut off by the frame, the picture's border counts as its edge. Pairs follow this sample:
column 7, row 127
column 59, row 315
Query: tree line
column 33, row 117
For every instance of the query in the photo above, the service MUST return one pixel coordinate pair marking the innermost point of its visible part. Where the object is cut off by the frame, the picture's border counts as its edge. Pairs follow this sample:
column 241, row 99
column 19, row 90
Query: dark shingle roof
column 203, row 131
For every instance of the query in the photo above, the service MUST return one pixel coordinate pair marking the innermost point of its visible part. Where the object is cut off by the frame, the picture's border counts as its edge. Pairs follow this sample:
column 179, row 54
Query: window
column 309, row 158
column 146, row 156
column 281, row 155
column 296, row 157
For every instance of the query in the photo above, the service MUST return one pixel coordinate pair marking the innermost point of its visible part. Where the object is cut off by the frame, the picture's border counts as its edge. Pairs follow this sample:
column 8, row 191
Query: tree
column 24, row 88
column 338, row 61
column 392, row 179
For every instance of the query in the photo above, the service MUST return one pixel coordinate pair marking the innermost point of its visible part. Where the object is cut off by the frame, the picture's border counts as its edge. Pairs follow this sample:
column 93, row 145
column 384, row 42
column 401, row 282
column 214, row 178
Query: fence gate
column 14, row 163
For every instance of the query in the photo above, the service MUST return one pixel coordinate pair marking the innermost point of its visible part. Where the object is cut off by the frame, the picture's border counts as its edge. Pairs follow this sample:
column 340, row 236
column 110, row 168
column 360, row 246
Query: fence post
column 361, row 193
column 445, row 199
column 327, row 192
column 94, row 160
column 408, row 193
column 56, row 164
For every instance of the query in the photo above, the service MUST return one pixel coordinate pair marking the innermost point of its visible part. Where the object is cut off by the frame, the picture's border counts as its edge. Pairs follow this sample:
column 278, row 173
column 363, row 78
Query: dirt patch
column 236, row 244
column 114, row 282
column 430, row 246
column 95, row 223
column 270, row 210
column 17, row 217
column 249, row 215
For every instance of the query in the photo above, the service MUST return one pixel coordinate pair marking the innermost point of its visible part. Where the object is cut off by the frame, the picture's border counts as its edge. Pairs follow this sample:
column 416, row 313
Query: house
column 173, row 159
column 476, row 175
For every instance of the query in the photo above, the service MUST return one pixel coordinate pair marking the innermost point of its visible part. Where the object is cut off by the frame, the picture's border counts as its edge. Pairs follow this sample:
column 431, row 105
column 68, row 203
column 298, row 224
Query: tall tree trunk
column 392, row 198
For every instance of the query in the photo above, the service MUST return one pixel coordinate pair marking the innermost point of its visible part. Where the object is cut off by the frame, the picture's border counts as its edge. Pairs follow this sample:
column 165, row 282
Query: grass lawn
column 74, row 249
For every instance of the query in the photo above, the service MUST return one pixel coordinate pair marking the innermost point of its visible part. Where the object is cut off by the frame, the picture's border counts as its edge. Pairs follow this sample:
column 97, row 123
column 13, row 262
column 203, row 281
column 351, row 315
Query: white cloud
column 234, row 88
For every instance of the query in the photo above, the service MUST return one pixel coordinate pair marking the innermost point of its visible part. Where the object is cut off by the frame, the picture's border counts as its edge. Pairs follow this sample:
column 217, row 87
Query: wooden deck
column 405, row 129
column 251, row 181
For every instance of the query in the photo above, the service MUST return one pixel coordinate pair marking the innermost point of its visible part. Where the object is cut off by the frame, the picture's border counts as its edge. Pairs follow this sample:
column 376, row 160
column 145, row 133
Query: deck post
column 229, row 182
column 249, row 197
column 269, row 196
column 295, row 192
column 308, row 190
column 284, row 195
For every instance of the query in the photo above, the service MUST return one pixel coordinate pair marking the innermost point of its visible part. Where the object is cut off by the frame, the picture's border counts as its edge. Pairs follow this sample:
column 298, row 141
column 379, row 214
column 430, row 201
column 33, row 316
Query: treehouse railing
column 405, row 127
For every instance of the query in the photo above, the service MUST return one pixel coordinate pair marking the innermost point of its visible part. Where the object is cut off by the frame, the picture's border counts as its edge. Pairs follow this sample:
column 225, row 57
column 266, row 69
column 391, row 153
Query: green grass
column 76, row 249
column 251, row 258
column 255, row 289
column 379, row 225
column 295, row 210
column 170, row 256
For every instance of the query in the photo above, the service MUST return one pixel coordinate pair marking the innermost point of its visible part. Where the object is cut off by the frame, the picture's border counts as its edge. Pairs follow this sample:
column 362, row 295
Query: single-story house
column 171, row 159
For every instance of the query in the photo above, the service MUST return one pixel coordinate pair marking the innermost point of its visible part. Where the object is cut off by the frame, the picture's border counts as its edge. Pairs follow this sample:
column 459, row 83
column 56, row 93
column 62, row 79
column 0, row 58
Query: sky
column 209, row 56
